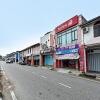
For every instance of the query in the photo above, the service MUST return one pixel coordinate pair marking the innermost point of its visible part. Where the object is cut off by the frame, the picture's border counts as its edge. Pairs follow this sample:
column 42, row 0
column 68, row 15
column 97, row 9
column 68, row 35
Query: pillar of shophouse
column 82, row 59
column 32, row 61
column 41, row 60
column 76, row 65
column 86, row 60
column 58, row 63
column 54, row 64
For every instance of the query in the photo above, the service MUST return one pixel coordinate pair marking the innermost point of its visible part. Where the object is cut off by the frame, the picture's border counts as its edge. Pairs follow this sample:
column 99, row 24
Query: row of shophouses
column 74, row 44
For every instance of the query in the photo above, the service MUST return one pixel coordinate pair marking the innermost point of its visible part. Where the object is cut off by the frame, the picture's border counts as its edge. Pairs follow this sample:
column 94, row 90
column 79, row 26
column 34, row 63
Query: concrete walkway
column 69, row 71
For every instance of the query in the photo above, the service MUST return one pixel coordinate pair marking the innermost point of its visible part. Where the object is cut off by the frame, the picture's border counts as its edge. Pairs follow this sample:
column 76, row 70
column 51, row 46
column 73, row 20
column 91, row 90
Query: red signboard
column 69, row 23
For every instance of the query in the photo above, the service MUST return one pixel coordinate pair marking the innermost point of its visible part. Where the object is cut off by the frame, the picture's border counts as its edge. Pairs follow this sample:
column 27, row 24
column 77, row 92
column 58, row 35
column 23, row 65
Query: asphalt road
column 36, row 83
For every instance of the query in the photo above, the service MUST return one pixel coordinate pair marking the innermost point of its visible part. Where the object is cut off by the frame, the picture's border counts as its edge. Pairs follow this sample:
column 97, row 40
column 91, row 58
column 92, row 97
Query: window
column 30, row 50
column 97, row 29
column 74, row 34
column 59, row 40
column 67, row 37
column 63, row 39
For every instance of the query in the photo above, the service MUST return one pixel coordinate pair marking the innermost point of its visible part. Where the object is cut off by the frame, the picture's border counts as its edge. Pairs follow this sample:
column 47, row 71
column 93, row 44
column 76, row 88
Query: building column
column 61, row 64
column 32, row 61
column 54, row 64
column 58, row 63
column 41, row 60
column 86, row 60
column 76, row 64
column 82, row 59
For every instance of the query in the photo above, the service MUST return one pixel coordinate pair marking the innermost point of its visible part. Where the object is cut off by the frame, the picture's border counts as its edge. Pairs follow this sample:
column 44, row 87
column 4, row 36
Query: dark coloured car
column 22, row 63
column 9, row 61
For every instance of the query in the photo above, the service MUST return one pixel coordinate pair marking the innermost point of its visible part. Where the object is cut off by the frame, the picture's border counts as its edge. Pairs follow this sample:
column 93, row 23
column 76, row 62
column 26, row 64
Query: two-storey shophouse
column 69, row 53
column 91, row 44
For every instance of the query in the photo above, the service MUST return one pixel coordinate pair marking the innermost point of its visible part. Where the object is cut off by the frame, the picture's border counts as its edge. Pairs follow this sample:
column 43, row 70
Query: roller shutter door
column 94, row 62
column 48, row 60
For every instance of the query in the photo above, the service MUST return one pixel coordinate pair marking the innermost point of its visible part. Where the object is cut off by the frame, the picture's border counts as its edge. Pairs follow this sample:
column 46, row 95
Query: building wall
column 47, row 45
column 90, row 35
column 27, row 52
column 79, row 40
column 45, row 40
column 52, row 38
column 48, row 39
column 89, row 38
column 92, row 55
column 36, row 50
column 67, row 37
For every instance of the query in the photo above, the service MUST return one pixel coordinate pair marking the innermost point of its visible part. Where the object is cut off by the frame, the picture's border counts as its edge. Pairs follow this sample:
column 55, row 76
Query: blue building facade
column 18, row 57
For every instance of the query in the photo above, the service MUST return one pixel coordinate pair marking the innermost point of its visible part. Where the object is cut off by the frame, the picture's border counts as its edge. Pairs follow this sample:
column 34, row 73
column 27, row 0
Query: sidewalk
column 7, row 86
column 74, row 72
column 94, row 74
column 69, row 71
column 64, row 70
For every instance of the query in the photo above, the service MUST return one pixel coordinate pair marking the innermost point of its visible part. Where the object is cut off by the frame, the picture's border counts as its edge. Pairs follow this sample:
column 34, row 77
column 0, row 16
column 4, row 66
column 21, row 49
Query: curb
column 7, row 87
column 85, row 76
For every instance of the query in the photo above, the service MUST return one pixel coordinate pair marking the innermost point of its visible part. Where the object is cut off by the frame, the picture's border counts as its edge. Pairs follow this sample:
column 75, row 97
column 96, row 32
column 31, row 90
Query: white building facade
column 91, row 37
column 47, row 45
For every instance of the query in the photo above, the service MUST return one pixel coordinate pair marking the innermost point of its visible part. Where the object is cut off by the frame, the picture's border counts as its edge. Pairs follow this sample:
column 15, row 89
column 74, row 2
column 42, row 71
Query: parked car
column 9, row 61
column 22, row 63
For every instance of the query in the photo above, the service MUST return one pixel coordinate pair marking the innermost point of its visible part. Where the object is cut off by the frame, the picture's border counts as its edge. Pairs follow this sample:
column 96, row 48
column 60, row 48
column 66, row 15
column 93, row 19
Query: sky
column 23, row 22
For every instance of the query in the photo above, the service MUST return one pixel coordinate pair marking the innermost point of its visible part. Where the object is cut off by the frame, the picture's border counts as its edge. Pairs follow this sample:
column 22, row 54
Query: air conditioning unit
column 86, row 29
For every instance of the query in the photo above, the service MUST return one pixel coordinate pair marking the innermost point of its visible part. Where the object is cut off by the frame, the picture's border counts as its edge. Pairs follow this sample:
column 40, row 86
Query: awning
column 67, row 56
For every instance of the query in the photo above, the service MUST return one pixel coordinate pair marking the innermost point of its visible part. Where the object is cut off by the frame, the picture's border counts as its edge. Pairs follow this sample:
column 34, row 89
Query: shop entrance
column 94, row 61
column 69, row 64
column 36, row 62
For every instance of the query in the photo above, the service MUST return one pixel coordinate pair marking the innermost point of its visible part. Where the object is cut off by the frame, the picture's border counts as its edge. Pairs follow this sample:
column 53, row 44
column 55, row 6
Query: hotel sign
column 69, row 23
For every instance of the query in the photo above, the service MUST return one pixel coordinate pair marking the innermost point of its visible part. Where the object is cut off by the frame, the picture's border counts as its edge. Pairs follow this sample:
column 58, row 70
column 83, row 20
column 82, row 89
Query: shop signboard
column 69, row 23
column 68, row 50
column 68, row 56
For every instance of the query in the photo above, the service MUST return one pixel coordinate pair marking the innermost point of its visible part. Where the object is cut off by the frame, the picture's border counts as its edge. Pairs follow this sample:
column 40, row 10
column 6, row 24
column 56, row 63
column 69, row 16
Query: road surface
column 36, row 83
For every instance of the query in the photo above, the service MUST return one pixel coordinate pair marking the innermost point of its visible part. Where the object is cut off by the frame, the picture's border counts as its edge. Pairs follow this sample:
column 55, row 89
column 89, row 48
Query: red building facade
column 69, row 44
